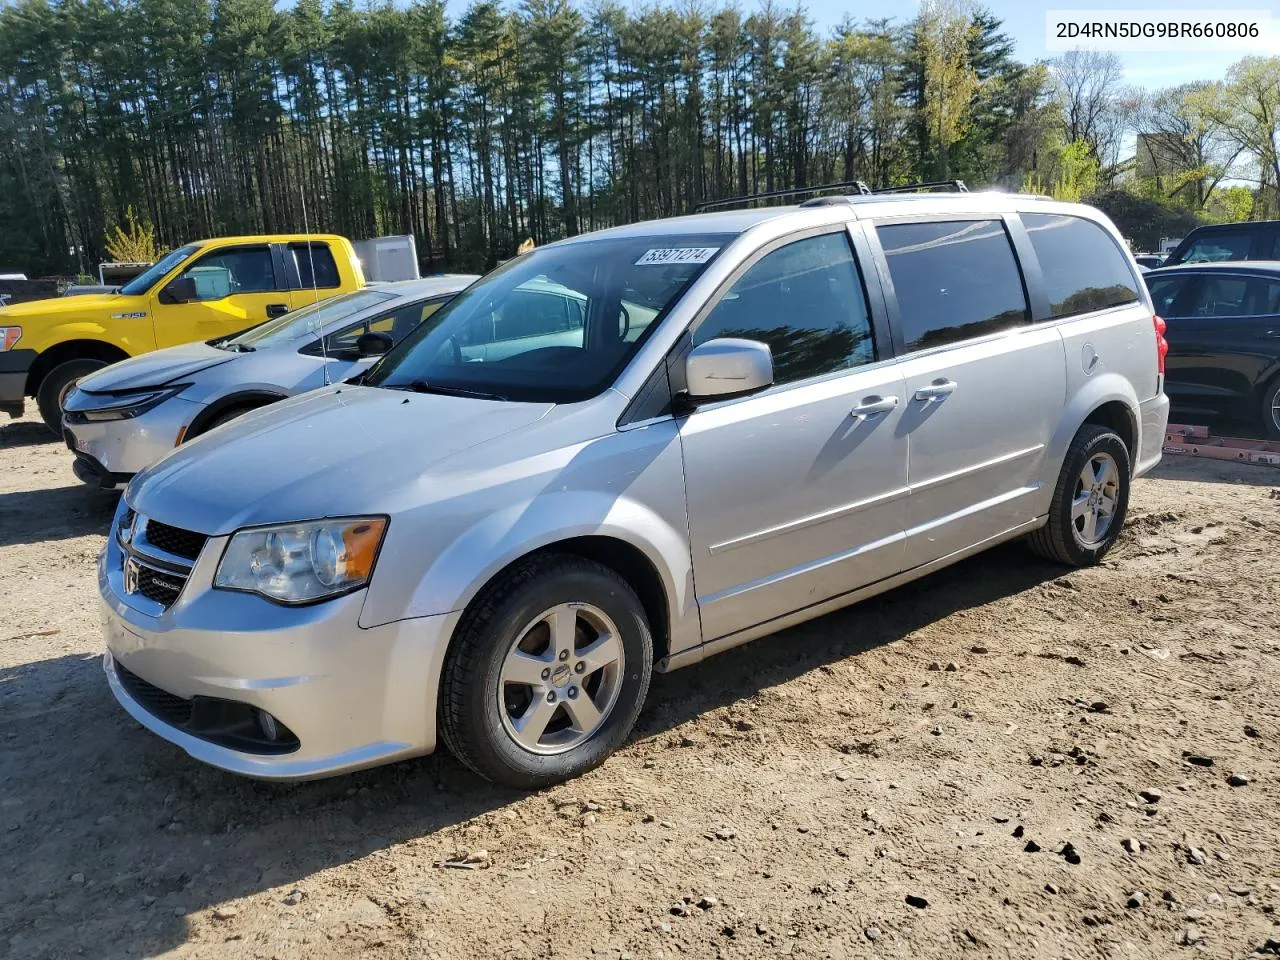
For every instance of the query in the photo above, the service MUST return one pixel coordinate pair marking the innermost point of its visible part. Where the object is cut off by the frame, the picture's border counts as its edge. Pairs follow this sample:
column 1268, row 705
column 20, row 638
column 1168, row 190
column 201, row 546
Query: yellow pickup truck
column 200, row 291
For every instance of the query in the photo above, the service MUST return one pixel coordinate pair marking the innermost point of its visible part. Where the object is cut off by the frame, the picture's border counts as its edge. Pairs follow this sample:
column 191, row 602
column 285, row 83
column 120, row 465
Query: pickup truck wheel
column 1089, row 502
column 55, row 386
column 547, row 673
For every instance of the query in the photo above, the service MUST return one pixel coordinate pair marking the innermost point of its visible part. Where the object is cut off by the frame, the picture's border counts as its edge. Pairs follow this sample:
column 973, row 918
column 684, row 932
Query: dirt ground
column 951, row 770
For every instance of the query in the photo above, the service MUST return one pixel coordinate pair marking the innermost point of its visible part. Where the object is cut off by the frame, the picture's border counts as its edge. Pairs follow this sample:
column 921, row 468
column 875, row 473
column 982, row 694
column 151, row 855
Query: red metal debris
column 1197, row 441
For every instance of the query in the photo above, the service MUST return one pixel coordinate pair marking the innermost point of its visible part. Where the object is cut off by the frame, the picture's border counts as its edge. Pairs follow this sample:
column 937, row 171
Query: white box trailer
column 387, row 259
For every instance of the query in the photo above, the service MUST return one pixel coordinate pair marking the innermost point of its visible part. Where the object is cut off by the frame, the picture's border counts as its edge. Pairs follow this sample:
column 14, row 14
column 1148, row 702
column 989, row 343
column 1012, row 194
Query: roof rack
column 858, row 186
column 956, row 185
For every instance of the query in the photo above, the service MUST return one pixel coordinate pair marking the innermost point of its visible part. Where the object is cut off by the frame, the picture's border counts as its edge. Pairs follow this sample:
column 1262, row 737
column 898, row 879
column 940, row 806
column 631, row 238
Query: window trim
column 891, row 295
column 1140, row 285
column 230, row 248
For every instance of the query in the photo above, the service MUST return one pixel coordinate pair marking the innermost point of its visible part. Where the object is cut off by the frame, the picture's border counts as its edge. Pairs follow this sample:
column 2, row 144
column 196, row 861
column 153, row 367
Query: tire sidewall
column 1111, row 444
column 54, row 382
column 1269, row 398
column 624, row 609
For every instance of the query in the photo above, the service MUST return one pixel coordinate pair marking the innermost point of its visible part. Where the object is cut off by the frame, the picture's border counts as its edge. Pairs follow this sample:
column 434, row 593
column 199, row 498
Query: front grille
column 159, row 586
column 168, row 707
column 181, row 543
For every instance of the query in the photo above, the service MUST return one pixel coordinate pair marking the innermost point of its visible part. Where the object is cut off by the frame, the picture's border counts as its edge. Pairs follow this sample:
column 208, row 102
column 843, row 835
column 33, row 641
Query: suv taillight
column 1162, row 345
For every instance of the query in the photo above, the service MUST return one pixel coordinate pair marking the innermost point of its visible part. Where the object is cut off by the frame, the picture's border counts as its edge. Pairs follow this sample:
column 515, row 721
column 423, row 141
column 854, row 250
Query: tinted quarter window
column 954, row 280
column 1083, row 268
column 804, row 300
column 225, row 273
column 316, row 267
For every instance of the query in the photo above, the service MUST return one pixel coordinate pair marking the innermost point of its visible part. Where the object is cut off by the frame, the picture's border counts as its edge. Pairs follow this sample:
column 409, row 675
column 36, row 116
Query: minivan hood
column 155, row 368
column 62, row 306
column 341, row 451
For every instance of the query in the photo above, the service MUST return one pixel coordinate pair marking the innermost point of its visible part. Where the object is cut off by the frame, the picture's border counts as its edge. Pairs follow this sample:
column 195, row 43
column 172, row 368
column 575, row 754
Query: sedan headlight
column 123, row 405
column 8, row 337
column 302, row 562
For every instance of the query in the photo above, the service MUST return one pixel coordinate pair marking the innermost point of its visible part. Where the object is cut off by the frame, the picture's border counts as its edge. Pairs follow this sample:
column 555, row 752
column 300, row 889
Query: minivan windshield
column 556, row 325
column 143, row 281
column 299, row 323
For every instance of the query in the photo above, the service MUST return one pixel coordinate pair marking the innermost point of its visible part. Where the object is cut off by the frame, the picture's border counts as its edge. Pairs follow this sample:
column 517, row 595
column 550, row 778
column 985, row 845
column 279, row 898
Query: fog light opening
column 267, row 724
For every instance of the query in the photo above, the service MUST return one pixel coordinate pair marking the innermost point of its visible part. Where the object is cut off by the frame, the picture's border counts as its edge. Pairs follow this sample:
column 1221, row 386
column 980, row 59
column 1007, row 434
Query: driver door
column 236, row 288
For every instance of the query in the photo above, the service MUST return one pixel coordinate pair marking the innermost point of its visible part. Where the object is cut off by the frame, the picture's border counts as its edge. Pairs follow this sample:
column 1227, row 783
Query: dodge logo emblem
column 131, row 576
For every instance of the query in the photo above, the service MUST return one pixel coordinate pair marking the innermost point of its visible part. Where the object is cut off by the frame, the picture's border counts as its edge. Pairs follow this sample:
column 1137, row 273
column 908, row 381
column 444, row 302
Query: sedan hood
column 343, row 451
column 156, row 368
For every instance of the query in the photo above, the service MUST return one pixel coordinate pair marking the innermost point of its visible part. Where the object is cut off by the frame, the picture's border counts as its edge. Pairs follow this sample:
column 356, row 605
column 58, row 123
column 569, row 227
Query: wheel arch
column 1108, row 400
column 240, row 400
column 60, row 353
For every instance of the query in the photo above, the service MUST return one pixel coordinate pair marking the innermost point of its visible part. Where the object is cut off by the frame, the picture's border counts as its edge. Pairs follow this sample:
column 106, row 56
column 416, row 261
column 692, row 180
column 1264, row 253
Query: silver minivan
column 737, row 421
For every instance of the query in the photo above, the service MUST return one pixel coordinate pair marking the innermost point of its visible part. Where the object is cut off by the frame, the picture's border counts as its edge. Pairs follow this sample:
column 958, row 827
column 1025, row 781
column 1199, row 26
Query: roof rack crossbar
column 857, row 185
column 956, row 185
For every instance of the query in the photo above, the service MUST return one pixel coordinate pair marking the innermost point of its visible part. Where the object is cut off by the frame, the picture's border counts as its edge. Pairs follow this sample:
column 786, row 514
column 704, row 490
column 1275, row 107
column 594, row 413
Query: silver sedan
column 125, row 417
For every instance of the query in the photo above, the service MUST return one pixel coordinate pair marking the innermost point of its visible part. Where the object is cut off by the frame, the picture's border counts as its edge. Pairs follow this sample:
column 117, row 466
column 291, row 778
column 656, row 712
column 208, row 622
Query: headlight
column 9, row 336
column 302, row 562
column 124, row 405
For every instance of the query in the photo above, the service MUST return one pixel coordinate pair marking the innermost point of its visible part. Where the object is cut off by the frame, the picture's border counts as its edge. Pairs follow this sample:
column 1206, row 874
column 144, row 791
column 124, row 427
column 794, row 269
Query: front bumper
column 15, row 365
column 120, row 448
column 353, row 697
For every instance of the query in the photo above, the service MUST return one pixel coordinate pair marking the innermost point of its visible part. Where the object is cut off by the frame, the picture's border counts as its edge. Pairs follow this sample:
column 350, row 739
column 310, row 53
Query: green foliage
column 132, row 242
column 1141, row 220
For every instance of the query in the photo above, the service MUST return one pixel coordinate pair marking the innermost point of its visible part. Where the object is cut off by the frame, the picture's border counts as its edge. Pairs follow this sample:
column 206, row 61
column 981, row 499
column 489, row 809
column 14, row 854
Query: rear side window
column 954, row 280
column 805, row 301
column 1218, row 246
column 1083, row 268
column 316, row 267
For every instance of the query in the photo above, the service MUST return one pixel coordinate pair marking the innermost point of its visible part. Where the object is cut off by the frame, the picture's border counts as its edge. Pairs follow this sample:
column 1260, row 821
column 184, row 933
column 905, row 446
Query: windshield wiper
column 421, row 386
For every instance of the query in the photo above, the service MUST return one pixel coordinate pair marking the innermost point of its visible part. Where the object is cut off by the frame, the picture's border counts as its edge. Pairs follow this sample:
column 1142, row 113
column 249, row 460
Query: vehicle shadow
column 111, row 836
column 25, row 433
column 60, row 513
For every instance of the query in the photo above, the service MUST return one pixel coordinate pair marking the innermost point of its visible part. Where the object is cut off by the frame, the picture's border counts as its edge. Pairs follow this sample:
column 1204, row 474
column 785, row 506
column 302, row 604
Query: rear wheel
column 55, row 386
column 1089, row 502
column 547, row 673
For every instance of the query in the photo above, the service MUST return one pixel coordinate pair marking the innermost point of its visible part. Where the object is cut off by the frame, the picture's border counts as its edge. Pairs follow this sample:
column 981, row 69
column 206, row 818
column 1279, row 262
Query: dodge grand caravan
column 741, row 420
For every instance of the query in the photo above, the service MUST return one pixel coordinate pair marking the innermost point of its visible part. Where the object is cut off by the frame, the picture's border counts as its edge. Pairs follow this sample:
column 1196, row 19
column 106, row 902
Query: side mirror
column 727, row 367
column 179, row 290
column 373, row 344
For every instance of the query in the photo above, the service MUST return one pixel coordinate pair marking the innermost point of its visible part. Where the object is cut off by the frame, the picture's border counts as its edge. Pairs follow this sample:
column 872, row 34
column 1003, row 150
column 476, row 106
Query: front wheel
column 547, row 673
column 55, row 386
column 1271, row 409
column 1089, row 502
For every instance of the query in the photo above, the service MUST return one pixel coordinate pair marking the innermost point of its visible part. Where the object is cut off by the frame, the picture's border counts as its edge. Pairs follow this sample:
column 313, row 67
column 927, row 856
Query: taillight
column 1162, row 345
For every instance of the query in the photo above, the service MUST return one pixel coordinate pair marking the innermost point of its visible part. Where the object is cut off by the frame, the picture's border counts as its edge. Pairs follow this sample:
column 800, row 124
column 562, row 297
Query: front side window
column 954, row 280
column 556, row 325
column 299, row 323
column 1083, row 269
column 805, row 300
column 316, row 267
column 397, row 324
column 143, row 281
column 1218, row 296
column 225, row 273
column 1218, row 246
column 1166, row 292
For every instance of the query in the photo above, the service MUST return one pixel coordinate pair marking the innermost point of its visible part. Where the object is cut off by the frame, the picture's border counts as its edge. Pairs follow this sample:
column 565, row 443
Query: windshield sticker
column 677, row 255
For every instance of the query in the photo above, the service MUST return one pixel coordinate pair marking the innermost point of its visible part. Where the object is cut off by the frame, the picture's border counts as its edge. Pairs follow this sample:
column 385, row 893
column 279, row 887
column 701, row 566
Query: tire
column 53, row 389
column 1067, row 537
column 225, row 417
column 1271, row 409
column 481, row 705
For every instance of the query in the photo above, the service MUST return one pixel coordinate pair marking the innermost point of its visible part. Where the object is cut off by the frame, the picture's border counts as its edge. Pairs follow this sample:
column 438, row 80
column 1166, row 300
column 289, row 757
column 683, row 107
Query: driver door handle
column 940, row 388
column 276, row 310
column 870, row 406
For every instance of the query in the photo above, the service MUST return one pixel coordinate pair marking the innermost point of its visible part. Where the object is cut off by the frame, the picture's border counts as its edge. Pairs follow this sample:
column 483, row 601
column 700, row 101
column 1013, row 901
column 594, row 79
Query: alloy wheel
column 1093, row 505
